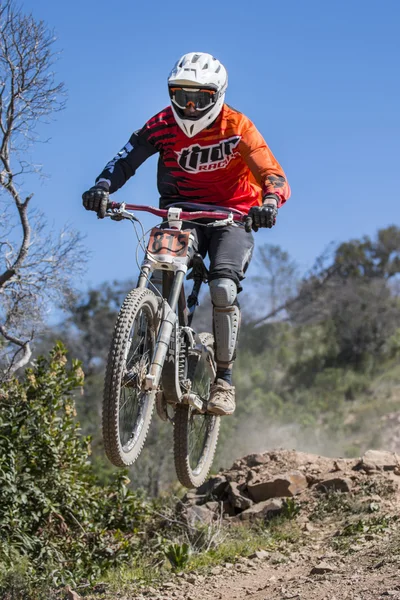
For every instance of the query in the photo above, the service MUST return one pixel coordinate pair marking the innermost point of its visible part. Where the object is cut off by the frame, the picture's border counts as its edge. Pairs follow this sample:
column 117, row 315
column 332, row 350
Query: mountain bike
column 156, row 358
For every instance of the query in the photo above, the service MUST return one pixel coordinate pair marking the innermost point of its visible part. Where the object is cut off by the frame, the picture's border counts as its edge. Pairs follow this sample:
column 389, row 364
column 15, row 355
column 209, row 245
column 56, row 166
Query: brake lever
column 228, row 221
column 118, row 214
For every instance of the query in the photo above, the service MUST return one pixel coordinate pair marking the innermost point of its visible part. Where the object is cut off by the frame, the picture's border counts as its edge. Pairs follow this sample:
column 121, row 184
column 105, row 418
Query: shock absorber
column 183, row 358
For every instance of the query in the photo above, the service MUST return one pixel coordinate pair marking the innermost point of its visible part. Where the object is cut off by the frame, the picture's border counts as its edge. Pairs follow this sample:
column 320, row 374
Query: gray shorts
column 229, row 249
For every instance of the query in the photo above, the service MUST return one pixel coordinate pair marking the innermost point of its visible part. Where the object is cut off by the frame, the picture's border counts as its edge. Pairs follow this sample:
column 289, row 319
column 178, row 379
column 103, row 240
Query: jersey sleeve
column 262, row 163
column 124, row 164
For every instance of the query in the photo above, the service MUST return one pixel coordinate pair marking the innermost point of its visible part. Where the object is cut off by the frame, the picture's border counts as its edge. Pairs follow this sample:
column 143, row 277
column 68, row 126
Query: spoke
column 128, row 362
column 198, row 429
column 137, row 361
column 143, row 363
column 124, row 404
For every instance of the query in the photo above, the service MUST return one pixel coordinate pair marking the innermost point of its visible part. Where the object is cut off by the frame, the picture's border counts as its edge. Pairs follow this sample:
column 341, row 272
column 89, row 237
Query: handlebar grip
column 101, row 213
column 248, row 223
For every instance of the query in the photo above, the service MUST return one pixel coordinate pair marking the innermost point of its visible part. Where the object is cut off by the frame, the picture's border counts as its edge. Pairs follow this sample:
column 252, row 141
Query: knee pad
column 226, row 315
column 223, row 292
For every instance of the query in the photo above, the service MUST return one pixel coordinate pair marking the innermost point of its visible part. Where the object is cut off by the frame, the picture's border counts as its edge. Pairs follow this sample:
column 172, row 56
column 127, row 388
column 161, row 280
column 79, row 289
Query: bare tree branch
column 24, row 346
column 36, row 266
column 315, row 281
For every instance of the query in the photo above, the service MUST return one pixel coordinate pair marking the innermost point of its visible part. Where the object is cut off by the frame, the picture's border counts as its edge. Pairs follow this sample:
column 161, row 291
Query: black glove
column 261, row 216
column 97, row 199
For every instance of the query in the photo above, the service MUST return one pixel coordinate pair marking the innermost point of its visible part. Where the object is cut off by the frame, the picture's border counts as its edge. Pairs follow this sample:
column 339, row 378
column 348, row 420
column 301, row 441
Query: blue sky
column 319, row 79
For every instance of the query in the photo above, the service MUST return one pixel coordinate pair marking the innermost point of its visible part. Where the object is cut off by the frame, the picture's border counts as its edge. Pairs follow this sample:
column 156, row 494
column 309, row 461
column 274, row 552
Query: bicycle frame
column 170, row 250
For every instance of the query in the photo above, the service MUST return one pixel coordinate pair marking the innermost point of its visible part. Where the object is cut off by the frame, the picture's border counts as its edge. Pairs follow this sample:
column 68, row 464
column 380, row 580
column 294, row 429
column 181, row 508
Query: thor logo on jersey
column 195, row 158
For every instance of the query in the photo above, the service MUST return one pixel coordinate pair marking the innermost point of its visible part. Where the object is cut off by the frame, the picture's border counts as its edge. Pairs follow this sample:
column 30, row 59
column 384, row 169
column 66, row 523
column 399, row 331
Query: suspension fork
column 144, row 276
column 168, row 279
column 168, row 321
column 168, row 318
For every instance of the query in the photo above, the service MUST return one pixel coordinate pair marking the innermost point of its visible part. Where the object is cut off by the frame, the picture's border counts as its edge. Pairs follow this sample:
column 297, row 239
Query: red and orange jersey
column 227, row 164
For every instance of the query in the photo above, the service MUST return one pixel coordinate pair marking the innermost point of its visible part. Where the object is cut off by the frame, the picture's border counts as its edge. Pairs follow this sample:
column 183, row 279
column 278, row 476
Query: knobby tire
column 138, row 302
column 193, row 476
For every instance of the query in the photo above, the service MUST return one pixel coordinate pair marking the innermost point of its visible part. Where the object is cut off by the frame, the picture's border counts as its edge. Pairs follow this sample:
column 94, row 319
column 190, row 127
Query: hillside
column 317, row 528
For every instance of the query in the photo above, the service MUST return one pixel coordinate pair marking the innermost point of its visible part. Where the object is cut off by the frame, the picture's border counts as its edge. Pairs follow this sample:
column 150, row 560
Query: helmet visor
column 199, row 99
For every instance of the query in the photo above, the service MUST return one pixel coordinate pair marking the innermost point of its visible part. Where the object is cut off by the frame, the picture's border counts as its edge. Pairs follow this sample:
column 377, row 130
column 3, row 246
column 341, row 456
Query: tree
column 36, row 266
column 278, row 274
column 354, row 292
column 273, row 288
column 89, row 324
column 370, row 259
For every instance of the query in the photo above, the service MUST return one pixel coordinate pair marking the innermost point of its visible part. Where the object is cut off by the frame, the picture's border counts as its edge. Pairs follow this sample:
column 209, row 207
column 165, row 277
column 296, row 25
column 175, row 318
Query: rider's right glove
column 97, row 199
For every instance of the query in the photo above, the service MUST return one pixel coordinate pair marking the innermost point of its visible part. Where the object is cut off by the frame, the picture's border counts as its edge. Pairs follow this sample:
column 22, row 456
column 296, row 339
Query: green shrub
column 54, row 516
column 178, row 555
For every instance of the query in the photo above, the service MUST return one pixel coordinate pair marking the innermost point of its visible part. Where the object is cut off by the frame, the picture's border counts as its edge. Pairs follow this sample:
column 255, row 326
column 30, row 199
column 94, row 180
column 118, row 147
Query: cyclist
column 209, row 154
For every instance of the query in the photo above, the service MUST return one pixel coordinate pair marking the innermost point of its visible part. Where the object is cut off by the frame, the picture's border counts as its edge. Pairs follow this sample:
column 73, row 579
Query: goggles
column 200, row 99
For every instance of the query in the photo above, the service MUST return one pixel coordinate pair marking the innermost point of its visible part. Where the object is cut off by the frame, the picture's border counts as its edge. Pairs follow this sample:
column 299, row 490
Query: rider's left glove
column 262, row 216
column 97, row 198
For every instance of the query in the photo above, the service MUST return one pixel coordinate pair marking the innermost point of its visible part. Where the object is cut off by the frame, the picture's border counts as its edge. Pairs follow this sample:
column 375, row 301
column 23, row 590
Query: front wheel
column 195, row 434
column 127, row 408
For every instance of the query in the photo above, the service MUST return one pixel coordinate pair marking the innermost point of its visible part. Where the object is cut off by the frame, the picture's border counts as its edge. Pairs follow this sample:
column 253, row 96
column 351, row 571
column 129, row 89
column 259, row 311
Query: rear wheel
column 195, row 434
column 127, row 408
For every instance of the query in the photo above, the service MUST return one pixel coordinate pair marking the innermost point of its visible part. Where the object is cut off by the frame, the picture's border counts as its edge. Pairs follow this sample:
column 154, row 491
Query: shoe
column 222, row 398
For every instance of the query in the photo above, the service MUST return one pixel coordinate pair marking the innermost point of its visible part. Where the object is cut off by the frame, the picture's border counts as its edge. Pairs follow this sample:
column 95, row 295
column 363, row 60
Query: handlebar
column 184, row 215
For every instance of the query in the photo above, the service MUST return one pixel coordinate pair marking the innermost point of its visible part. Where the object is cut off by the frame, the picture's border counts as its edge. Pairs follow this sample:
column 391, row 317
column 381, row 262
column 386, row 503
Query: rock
column 252, row 476
column 213, row 506
column 237, row 465
column 214, row 486
column 253, row 460
column 288, row 484
column 278, row 558
column 261, row 554
column 367, row 467
column 379, row 460
column 338, row 484
column 262, row 510
column 227, row 509
column 199, row 514
column 316, row 468
column 322, row 568
column 71, row 595
column 193, row 498
column 339, row 464
column 236, row 498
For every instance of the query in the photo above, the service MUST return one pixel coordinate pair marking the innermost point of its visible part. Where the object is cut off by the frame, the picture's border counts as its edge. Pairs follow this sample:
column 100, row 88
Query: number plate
column 168, row 242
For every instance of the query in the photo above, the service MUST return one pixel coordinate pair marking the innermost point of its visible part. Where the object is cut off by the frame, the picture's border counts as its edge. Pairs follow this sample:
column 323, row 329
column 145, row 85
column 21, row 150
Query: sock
column 225, row 374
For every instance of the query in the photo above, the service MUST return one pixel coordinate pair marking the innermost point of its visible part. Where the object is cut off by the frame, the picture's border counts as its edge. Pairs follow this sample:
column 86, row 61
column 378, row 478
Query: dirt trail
column 345, row 516
column 371, row 573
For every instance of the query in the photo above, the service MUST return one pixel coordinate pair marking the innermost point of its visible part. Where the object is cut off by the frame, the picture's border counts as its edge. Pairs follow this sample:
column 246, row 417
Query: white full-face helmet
column 197, row 83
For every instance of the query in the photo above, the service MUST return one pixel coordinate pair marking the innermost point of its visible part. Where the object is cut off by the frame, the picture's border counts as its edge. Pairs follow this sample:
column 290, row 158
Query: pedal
column 195, row 401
